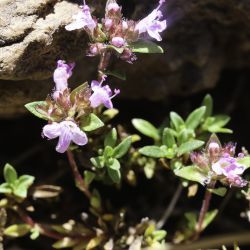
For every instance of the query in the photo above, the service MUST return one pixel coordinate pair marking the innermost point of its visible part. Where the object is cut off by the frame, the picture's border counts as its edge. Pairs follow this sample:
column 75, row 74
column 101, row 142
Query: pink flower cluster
column 117, row 31
column 221, row 163
column 67, row 130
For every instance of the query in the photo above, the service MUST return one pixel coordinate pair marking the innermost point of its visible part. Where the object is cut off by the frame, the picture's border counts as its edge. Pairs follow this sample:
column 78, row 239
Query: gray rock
column 203, row 39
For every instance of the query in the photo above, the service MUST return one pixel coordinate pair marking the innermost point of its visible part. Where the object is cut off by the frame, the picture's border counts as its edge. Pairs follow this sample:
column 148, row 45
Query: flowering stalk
column 77, row 176
column 42, row 229
column 103, row 64
column 203, row 211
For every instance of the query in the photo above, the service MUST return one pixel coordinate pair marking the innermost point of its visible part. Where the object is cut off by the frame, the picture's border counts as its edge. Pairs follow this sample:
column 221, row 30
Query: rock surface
column 203, row 39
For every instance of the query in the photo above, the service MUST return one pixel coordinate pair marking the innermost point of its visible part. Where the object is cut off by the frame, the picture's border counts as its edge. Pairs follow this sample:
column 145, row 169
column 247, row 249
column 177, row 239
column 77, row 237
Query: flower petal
column 64, row 140
column 108, row 103
column 216, row 167
column 79, row 137
column 52, row 131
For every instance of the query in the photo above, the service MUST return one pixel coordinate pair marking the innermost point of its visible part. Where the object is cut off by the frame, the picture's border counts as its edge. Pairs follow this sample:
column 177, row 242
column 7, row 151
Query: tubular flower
column 152, row 24
column 67, row 131
column 220, row 163
column 229, row 167
column 83, row 19
column 118, row 42
column 61, row 75
column 102, row 94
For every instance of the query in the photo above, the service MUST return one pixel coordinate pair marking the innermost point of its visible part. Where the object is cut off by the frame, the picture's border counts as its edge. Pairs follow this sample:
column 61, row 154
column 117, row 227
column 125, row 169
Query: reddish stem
column 78, row 178
column 203, row 211
column 42, row 229
column 103, row 64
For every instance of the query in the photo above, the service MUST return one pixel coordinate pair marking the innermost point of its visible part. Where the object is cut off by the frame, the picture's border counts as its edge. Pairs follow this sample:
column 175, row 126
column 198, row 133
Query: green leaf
column 222, row 130
column 90, row 123
column 95, row 200
column 119, row 75
column 168, row 138
column 110, row 113
column 191, row 173
column 77, row 90
column 208, row 103
column 111, row 138
column 209, row 218
column 159, row 235
column 152, row 151
column 20, row 192
column 189, row 146
column 114, row 171
column 17, row 230
column 98, row 161
column 177, row 121
column 81, row 246
column 66, row 242
column 150, row 229
column 195, row 118
column 10, row 174
column 35, row 233
column 191, row 220
column 118, row 50
column 5, row 188
column 108, row 152
column 26, row 180
column 245, row 161
column 93, row 243
column 32, row 107
column 218, row 191
column 215, row 124
column 149, row 168
column 143, row 46
column 114, row 164
column 22, row 185
column 146, row 128
column 122, row 148
column 88, row 177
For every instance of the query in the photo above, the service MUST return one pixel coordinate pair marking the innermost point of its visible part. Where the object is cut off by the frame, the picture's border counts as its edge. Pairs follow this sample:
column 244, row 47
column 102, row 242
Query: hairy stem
column 203, row 211
column 77, row 176
column 42, row 229
column 103, row 64
column 170, row 207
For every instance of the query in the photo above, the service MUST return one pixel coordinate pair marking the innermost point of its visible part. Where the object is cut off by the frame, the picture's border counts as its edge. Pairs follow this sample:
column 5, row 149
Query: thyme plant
column 80, row 120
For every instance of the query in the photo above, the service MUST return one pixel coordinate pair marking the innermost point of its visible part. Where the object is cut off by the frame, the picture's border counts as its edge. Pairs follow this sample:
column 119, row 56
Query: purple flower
column 102, row 94
column 61, row 75
column 112, row 6
column 152, row 24
column 83, row 19
column 108, row 23
column 118, row 41
column 229, row 167
column 67, row 131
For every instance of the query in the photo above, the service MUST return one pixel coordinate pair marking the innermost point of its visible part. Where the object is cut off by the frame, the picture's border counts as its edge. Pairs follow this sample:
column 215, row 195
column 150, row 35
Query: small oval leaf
column 189, row 146
column 146, row 128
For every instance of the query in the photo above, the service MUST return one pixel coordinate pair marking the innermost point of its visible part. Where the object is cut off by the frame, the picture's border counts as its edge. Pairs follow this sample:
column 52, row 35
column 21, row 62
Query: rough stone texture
column 203, row 38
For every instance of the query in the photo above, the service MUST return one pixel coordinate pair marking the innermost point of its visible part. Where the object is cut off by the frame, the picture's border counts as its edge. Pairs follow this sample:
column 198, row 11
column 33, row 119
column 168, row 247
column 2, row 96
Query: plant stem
column 170, row 207
column 42, row 229
column 203, row 211
column 78, row 178
column 103, row 64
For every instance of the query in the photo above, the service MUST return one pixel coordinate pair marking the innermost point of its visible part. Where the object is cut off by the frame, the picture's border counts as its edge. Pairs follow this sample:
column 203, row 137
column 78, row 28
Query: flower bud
column 199, row 160
column 118, row 41
column 108, row 23
column 213, row 149
column 124, row 25
column 128, row 56
column 95, row 49
column 113, row 6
